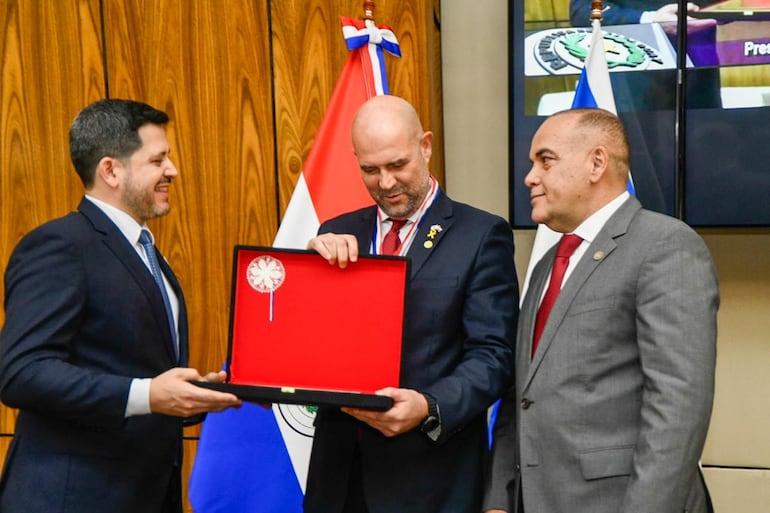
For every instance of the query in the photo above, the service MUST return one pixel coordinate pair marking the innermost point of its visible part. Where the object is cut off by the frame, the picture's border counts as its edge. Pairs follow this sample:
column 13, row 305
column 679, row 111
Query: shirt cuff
column 138, row 397
column 646, row 17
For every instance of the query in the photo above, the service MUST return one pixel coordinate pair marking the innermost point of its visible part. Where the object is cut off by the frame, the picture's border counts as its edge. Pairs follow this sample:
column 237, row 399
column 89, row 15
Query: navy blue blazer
column 84, row 317
column 462, row 308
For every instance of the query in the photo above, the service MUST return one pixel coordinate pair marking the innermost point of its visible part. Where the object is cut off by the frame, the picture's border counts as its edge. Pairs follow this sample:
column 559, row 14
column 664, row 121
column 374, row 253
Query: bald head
column 592, row 127
column 393, row 153
column 384, row 116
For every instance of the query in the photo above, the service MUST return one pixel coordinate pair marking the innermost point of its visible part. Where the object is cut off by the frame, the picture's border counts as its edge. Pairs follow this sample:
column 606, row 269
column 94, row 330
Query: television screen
column 725, row 83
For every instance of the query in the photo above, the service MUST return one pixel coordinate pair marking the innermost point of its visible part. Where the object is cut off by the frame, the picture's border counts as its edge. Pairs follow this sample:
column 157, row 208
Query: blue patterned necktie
column 146, row 241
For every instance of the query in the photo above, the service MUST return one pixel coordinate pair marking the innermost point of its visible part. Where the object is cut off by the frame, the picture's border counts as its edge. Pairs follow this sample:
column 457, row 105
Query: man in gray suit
column 609, row 412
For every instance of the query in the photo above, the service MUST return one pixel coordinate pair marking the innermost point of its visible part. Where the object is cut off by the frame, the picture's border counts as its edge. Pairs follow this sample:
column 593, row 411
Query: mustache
column 394, row 190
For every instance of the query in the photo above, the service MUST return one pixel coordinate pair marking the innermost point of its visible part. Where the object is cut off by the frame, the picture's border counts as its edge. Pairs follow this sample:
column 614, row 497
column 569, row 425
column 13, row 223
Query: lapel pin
column 598, row 255
column 434, row 229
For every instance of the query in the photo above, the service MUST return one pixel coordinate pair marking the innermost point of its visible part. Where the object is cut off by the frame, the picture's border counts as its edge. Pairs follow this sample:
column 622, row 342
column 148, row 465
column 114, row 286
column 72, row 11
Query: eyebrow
column 163, row 153
column 398, row 162
column 543, row 151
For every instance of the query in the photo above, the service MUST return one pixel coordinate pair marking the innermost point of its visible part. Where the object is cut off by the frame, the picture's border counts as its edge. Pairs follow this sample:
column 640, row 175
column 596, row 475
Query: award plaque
column 306, row 332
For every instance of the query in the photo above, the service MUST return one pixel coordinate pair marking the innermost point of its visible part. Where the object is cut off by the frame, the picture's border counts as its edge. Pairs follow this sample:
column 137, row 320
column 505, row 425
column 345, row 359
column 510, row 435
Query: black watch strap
column 431, row 426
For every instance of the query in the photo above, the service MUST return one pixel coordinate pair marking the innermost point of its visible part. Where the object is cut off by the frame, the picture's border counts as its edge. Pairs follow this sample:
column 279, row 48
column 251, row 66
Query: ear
column 600, row 162
column 108, row 170
column 426, row 146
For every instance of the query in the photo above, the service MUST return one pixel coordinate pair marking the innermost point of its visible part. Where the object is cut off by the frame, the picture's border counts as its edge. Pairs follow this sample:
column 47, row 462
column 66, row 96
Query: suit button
column 526, row 403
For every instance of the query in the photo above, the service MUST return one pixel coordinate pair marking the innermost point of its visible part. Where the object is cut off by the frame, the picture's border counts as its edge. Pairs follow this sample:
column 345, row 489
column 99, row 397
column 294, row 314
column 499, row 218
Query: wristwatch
column 432, row 421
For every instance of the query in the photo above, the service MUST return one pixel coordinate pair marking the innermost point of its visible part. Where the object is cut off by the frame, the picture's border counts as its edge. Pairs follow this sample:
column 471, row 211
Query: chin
column 390, row 210
column 160, row 211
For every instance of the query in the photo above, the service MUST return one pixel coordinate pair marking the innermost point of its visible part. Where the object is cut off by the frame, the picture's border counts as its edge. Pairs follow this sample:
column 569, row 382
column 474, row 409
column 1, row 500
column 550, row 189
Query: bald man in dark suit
column 427, row 453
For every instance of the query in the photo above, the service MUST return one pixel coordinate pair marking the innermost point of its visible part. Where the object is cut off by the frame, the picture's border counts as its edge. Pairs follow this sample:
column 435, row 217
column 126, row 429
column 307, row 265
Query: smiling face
column 560, row 177
column 579, row 164
column 395, row 172
column 393, row 154
column 146, row 176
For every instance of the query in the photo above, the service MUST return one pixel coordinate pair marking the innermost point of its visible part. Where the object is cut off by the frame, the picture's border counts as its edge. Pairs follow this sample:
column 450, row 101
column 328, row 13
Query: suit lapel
column 529, row 309
column 430, row 232
column 363, row 229
column 436, row 222
column 604, row 244
column 113, row 238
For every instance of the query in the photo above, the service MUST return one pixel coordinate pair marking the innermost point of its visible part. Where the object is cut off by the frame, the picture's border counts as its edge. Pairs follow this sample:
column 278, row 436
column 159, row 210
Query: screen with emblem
column 689, row 143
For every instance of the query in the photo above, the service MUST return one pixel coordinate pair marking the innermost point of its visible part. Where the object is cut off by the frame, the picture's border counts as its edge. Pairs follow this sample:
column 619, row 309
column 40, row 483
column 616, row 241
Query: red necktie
column 567, row 245
column 392, row 242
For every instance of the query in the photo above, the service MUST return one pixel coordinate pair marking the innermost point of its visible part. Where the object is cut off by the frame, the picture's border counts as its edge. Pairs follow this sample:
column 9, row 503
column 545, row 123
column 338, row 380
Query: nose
column 387, row 180
column 532, row 178
column 170, row 169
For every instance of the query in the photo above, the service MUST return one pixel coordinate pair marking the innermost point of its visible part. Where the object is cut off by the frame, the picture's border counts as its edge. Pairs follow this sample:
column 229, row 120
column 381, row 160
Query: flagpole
column 369, row 10
column 681, row 105
column 596, row 10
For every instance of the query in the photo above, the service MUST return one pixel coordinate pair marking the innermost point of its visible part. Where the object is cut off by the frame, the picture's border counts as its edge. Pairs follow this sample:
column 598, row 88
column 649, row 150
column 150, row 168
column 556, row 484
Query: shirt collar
column 125, row 223
column 590, row 228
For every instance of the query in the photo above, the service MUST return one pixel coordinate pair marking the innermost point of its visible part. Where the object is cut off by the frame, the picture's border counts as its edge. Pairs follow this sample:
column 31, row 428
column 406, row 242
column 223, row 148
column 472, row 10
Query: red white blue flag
column 255, row 458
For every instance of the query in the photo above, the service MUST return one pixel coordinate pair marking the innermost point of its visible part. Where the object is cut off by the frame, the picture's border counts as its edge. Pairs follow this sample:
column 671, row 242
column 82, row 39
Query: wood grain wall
column 245, row 82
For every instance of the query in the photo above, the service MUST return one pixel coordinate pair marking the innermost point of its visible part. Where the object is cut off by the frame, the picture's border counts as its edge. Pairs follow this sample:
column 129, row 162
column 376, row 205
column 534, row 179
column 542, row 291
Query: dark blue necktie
column 146, row 241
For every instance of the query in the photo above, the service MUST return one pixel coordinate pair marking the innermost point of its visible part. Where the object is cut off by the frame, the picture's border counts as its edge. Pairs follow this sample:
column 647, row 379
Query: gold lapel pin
column 598, row 255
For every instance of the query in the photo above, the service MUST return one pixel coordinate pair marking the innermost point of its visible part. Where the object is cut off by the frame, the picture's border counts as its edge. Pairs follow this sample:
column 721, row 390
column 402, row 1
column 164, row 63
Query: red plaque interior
column 298, row 322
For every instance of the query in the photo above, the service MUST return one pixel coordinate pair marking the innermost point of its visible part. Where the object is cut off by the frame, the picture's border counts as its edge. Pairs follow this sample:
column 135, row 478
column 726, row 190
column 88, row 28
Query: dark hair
column 108, row 128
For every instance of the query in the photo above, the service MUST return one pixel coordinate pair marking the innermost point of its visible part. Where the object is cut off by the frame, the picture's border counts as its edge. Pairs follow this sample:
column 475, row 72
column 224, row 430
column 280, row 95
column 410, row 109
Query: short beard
column 414, row 200
column 142, row 203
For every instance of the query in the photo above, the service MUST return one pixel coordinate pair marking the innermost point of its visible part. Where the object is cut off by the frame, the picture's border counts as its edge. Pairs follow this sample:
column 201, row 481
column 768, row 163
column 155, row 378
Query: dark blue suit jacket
column 84, row 317
column 462, row 309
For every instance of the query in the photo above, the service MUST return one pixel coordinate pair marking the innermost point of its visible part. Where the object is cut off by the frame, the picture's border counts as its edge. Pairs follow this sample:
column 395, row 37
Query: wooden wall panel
column 309, row 52
column 207, row 64
column 51, row 65
column 5, row 442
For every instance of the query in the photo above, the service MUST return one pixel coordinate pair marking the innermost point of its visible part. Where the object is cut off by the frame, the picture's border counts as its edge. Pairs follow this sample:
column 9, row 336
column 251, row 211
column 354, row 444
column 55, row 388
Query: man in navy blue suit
column 93, row 351
column 425, row 454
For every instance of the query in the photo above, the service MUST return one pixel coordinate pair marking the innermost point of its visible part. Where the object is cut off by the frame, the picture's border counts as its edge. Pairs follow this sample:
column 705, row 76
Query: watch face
column 429, row 424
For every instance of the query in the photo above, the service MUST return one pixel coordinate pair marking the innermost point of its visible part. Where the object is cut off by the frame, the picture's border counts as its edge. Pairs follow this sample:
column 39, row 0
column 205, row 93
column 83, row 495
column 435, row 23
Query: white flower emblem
column 265, row 274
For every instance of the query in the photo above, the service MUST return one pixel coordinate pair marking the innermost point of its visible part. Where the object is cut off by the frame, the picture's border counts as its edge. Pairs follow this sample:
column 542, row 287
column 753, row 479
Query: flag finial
column 369, row 10
column 596, row 10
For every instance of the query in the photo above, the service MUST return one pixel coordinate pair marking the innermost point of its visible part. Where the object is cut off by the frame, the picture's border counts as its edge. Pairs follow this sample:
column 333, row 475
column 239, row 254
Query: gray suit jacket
column 612, row 412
